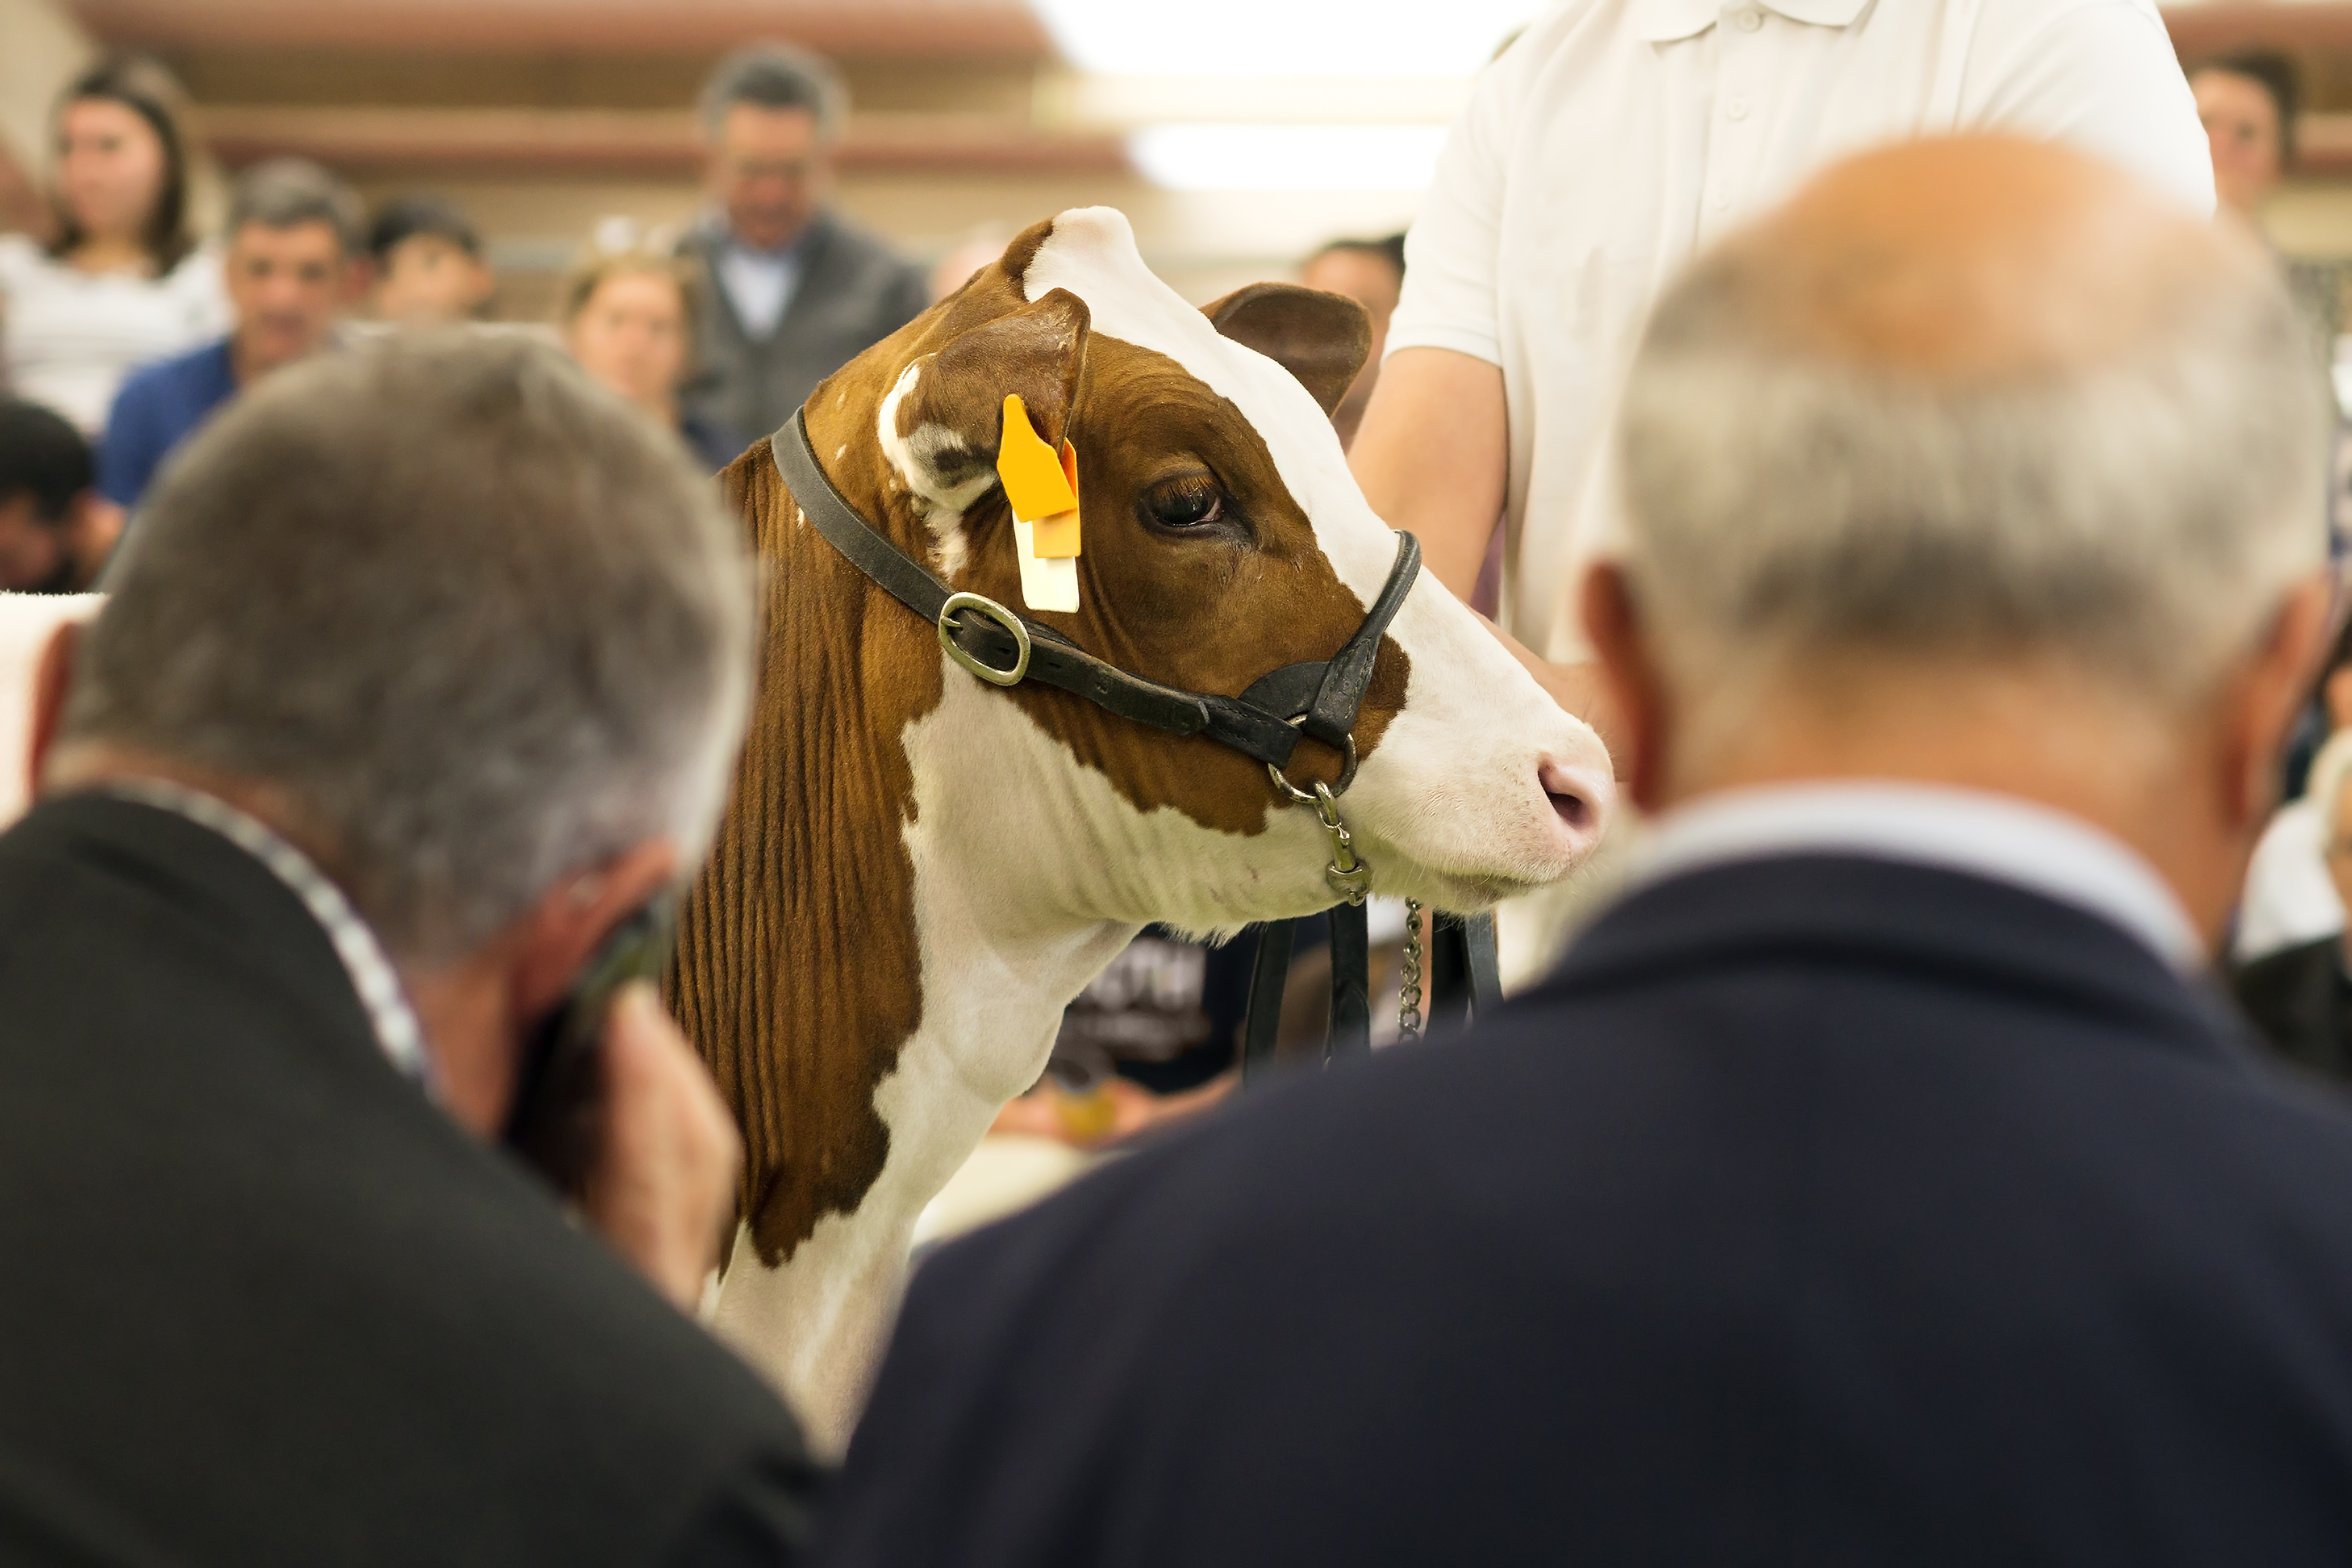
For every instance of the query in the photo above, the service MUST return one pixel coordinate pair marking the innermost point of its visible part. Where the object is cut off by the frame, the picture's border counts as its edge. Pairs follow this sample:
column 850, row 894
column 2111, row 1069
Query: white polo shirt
column 1617, row 137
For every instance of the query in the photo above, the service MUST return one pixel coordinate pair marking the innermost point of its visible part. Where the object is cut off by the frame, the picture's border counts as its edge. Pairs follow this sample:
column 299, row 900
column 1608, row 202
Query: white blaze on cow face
column 1482, row 786
column 914, row 457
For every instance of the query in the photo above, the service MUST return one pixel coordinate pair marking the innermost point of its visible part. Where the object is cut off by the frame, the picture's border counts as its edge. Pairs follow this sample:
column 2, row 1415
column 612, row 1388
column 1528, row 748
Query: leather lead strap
column 1347, row 1031
column 1263, row 1021
column 1464, row 983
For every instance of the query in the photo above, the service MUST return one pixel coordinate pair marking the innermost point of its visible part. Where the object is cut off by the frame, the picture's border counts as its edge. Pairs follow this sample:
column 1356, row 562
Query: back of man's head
column 1978, row 401
column 480, row 626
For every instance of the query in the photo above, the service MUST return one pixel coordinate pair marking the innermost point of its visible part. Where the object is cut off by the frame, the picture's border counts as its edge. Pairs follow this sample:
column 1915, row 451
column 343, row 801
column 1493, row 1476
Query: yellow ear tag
column 1044, row 495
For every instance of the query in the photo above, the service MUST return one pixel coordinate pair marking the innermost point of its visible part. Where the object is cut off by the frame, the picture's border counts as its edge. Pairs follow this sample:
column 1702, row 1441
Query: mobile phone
column 557, row 1120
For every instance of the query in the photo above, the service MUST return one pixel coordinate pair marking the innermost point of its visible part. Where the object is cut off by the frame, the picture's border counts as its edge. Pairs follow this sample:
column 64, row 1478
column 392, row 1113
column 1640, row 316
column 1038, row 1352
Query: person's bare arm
column 1433, row 456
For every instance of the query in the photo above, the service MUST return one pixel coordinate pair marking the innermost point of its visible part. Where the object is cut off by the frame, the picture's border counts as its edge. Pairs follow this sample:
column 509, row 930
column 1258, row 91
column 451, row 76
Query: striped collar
column 371, row 970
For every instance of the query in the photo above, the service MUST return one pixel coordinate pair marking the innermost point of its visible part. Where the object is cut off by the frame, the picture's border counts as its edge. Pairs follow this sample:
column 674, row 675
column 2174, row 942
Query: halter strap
column 1317, row 698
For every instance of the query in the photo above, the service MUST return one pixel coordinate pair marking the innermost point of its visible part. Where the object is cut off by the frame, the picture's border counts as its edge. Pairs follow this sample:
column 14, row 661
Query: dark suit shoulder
column 1764, row 1232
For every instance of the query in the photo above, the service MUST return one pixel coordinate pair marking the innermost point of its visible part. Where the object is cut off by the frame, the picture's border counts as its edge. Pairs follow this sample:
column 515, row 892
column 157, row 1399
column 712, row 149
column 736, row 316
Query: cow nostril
column 1576, row 797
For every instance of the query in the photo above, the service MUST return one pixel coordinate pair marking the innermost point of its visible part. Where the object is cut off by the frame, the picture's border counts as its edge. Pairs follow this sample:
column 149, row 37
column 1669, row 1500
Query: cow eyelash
column 1188, row 501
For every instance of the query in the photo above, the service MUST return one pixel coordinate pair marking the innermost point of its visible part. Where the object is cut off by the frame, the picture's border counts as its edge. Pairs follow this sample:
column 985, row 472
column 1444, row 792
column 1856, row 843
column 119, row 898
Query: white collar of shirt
column 1666, row 21
column 1992, row 836
column 760, row 284
column 397, row 1032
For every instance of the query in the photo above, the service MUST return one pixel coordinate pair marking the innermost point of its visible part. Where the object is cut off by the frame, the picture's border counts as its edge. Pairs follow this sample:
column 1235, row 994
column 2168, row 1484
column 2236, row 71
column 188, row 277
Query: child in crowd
column 56, row 530
column 429, row 265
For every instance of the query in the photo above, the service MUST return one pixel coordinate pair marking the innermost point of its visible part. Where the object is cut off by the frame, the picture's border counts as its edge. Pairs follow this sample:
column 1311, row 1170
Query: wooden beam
column 482, row 141
column 997, row 28
column 2221, row 26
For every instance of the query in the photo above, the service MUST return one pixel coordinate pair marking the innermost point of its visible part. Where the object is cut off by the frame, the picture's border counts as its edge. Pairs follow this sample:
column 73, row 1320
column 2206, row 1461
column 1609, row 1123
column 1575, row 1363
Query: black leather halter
column 1320, row 697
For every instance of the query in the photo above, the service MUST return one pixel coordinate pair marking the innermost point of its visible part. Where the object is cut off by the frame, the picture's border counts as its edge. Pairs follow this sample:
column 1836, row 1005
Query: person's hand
column 1577, row 687
column 664, row 1183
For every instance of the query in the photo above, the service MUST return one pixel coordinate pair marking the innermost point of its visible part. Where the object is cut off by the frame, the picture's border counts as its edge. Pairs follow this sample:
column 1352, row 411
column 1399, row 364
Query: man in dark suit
column 1880, row 1179
column 794, row 292
column 423, row 674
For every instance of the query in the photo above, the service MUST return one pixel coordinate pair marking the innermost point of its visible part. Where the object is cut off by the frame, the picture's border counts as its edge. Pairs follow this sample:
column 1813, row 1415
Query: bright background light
column 1283, row 38
column 1288, row 157
column 1325, row 96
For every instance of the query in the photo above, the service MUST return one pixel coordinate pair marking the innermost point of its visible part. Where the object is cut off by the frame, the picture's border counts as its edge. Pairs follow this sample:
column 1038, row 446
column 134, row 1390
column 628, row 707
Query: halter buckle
column 1002, row 617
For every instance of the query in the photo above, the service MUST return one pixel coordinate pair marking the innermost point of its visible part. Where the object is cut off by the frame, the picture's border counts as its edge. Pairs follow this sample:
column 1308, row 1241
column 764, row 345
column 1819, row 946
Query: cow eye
column 1188, row 501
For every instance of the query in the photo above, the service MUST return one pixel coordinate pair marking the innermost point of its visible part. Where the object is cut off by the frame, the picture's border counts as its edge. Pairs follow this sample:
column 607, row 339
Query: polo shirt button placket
column 1748, row 20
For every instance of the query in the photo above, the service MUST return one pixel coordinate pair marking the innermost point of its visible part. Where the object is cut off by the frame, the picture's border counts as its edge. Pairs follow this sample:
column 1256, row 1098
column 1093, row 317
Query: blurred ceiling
column 522, row 87
column 937, row 28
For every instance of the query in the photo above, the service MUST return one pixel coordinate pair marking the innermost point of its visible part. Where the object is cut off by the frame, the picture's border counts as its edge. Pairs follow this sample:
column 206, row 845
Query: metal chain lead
column 1409, row 992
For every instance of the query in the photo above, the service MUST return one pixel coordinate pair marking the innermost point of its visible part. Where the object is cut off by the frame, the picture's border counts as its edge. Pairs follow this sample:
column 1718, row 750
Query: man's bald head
column 1977, row 397
column 1975, row 259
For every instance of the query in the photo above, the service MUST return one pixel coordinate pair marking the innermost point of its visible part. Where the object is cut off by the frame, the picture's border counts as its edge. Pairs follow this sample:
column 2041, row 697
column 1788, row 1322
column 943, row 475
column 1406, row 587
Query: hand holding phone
column 556, row 1123
column 663, row 1188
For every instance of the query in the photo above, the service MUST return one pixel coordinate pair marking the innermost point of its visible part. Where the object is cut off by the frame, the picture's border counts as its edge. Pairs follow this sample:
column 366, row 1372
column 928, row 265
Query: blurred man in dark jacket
column 795, row 294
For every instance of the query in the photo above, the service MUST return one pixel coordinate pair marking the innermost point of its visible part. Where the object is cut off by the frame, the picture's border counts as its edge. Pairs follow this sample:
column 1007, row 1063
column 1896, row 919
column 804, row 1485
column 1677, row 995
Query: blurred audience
column 629, row 318
column 794, row 292
column 1875, row 1183
column 423, row 672
column 293, row 241
column 2249, row 103
column 2300, row 995
column 966, row 256
column 1371, row 273
column 122, row 281
column 429, row 267
column 1602, row 152
column 56, row 530
column 2290, row 896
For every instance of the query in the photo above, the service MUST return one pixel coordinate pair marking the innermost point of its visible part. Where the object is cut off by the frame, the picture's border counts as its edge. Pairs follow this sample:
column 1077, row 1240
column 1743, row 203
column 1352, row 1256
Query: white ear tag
column 1043, row 492
column 1046, row 583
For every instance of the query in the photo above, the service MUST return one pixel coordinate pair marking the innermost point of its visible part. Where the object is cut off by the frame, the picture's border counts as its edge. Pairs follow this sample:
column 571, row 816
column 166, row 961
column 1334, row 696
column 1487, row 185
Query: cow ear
column 1319, row 338
column 950, row 419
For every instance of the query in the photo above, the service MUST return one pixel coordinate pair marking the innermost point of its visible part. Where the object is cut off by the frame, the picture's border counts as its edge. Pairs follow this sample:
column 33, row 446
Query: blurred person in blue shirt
column 294, row 239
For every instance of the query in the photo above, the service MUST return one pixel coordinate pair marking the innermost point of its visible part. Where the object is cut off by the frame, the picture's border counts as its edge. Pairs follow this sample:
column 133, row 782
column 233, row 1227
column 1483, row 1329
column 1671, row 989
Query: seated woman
column 629, row 318
column 2300, row 996
column 123, row 281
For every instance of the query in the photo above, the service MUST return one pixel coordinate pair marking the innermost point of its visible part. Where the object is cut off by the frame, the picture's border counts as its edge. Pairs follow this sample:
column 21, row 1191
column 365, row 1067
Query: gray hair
column 284, row 192
column 481, row 623
column 2142, row 517
column 777, row 75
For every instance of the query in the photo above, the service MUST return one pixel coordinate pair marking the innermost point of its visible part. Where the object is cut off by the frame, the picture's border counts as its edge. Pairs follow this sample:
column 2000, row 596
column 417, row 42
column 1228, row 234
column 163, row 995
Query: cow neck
column 799, row 967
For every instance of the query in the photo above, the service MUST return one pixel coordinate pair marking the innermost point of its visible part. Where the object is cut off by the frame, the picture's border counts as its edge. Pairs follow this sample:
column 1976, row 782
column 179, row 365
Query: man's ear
column 2263, row 700
column 52, row 679
column 1613, row 620
column 1319, row 338
column 556, row 939
column 950, row 422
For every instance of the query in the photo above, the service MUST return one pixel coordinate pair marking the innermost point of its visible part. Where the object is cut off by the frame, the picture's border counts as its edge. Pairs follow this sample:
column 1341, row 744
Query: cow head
column 1223, row 537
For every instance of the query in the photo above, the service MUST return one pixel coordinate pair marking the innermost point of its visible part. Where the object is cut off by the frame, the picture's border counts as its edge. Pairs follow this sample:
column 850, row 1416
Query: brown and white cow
column 920, row 870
